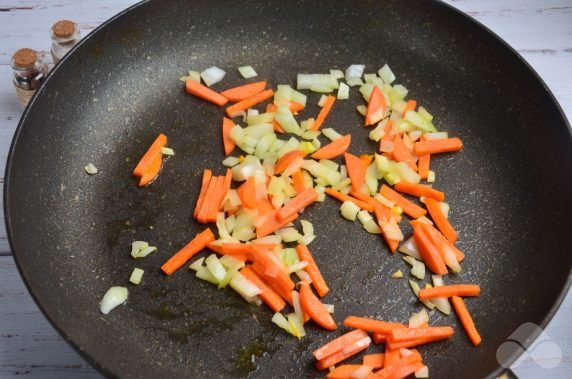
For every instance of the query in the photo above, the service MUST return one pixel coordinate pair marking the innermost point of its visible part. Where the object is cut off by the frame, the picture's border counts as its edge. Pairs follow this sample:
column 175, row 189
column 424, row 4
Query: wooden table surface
column 541, row 31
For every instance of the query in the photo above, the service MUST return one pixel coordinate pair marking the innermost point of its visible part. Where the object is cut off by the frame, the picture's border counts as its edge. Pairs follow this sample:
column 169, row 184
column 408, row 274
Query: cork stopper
column 24, row 59
column 63, row 29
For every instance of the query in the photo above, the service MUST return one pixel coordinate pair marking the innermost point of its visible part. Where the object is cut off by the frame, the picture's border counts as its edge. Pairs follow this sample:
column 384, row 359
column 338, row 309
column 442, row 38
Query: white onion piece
column 138, row 246
column 419, row 319
column 298, row 266
column 229, row 261
column 354, row 71
column 247, row 72
column 441, row 303
column 271, row 240
column 391, row 229
column 450, row 258
column 114, row 297
column 410, row 248
column 338, row 74
column 279, row 319
column 195, row 76
column 361, row 373
column 431, row 176
column 289, row 234
column 414, row 135
column 329, row 308
column 331, row 134
column 386, row 74
column 196, row 265
column 322, row 100
column 343, row 92
column 167, row 151
column 244, row 287
column 244, row 170
column 377, row 133
column 212, row 75
column 423, row 372
column 204, row 274
column 349, row 210
column 296, row 325
column 303, row 275
column 435, row 136
column 215, row 267
column 90, row 169
column 296, row 305
column 136, row 276
column 146, row 251
column 230, row 161
column 353, row 82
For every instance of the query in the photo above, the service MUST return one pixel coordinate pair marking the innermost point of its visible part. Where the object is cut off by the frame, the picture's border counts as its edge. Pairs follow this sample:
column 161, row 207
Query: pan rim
column 8, row 169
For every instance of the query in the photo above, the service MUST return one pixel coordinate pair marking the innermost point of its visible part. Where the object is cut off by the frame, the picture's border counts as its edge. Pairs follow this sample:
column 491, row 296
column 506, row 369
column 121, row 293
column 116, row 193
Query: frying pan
column 509, row 188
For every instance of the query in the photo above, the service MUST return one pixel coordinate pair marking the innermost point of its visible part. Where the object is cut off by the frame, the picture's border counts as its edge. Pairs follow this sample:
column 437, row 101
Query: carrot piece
column 217, row 197
column 247, row 193
column 294, row 106
column 379, row 337
column 403, row 371
column 423, row 165
column 198, row 243
column 264, row 207
column 356, row 171
column 371, row 325
column 334, row 149
column 284, row 293
column 235, row 248
column 411, row 343
column 205, row 93
column 209, row 196
column 365, row 198
column 312, row 306
column 219, row 249
column 342, row 372
column 228, row 142
column 287, row 159
column 338, row 344
column 152, row 171
column 466, row 320
column 249, row 102
column 207, row 175
column 402, row 154
column 312, row 269
column 298, row 180
column 449, row 291
column 149, row 156
column 324, row 112
column 410, row 106
column 366, row 159
column 407, row 206
column 277, row 128
column 439, row 239
column 428, row 251
column 226, row 185
column 374, row 361
column 268, row 295
column 375, row 107
column 342, row 197
column 299, row 202
column 282, row 280
column 440, row 220
column 272, row 224
column 382, row 213
column 408, row 334
column 397, row 369
column 391, row 356
column 438, row 146
column 243, row 92
column 419, row 190
column 344, row 353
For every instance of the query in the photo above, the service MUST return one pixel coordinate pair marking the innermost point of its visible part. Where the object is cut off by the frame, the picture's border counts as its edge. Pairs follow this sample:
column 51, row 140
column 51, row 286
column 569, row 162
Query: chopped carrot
column 270, row 281
column 339, row 344
column 371, row 325
column 149, row 157
column 383, row 213
column 375, row 107
column 207, row 175
column 423, row 165
column 324, row 112
column 449, row 291
column 297, row 204
column 412, row 343
column 356, row 171
column 243, row 92
column 287, row 159
column 294, row 106
column 205, row 93
column 407, row 206
column 343, row 372
column 298, row 181
column 399, row 369
column 249, row 102
column 410, row 106
column 440, row 239
column 391, row 356
column 247, row 193
column 334, row 149
column 152, row 171
column 438, row 146
column 218, row 248
column 343, row 354
column 272, row 224
column 403, row 371
column 214, row 203
column 360, row 195
column 209, row 194
column 402, row 154
column 277, row 128
column 228, row 142
column 198, row 243
column 440, row 220
column 343, row 197
column 312, row 269
column 374, row 361
column 466, row 320
column 312, row 306
column 407, row 334
column 265, row 207
column 282, row 280
column 268, row 295
column 419, row 190
column 428, row 251
column 226, row 186
column 366, row 159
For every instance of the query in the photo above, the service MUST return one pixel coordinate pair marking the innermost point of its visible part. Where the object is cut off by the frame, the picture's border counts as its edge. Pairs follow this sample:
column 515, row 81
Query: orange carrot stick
column 334, row 149
column 423, row 165
column 284, row 293
column 277, row 128
column 207, row 174
column 419, row 190
column 209, row 196
column 411, row 343
column 152, row 171
column 383, row 213
column 438, row 146
column 342, row 372
column 440, row 220
column 228, row 142
column 338, row 344
column 403, row 371
column 356, row 171
column 342, row 197
column 198, row 243
column 218, row 248
column 371, row 325
column 401, row 368
column 298, row 181
column 149, row 156
column 466, row 320
column 218, row 195
column 366, row 159
column 379, row 337
column 402, row 154
column 439, row 238
column 271, row 224
column 294, row 107
column 410, row 106
column 249, row 102
column 243, row 92
column 375, row 107
column 391, row 356
column 407, row 206
column 324, row 112
column 428, row 251
column 343, row 354
column 374, row 361
column 226, row 185
column 261, row 256
column 407, row 334
column 247, row 193
column 287, row 159
column 205, row 93
column 299, row 202
column 313, row 307
column 449, row 291
column 268, row 295
column 312, row 269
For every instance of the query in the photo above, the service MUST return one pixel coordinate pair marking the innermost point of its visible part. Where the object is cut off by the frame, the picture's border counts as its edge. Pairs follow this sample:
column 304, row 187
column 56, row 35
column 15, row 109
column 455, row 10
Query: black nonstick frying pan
column 509, row 188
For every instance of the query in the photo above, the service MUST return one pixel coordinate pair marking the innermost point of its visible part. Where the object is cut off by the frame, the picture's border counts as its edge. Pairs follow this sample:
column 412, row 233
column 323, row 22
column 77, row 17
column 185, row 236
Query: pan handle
column 507, row 374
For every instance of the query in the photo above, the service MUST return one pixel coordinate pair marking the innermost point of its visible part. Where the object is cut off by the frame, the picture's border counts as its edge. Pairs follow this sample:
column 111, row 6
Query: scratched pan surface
column 509, row 189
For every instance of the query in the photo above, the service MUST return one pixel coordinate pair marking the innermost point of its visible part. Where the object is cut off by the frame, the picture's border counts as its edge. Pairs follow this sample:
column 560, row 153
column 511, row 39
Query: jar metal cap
column 24, row 58
column 64, row 28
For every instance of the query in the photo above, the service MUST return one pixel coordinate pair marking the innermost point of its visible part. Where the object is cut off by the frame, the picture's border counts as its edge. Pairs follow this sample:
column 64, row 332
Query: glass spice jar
column 29, row 73
column 65, row 35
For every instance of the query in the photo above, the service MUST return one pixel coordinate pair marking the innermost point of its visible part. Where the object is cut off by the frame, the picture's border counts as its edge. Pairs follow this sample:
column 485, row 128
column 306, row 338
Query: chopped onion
column 114, row 297
column 368, row 78
column 338, row 74
column 204, row 274
column 215, row 267
column 343, row 92
column 144, row 252
column 362, row 372
column 167, row 151
column 322, row 100
column 421, row 123
column 445, row 208
column 436, row 136
column 450, row 258
column 329, row 308
column 244, row 170
column 247, row 72
column 331, row 134
column 212, row 75
column 196, row 265
column 367, row 222
column 362, row 109
column 391, row 230
column 90, row 169
column 271, row 240
column 303, row 275
column 292, row 144
column 285, row 93
column 349, row 210
column 397, row 274
column 229, row 261
column 230, row 161
column 307, row 124
column 316, row 81
column 136, row 276
column 386, row 74
column 289, row 234
column 307, row 227
column 378, row 132
column 279, row 319
column 431, row 176
column 417, row 269
column 354, row 71
column 423, row 372
column 244, row 287
column 137, row 246
column 230, row 273
column 298, row 266
column 195, row 76
column 353, row 82
column 410, row 248
column 296, row 325
column 419, row 319
column 441, row 303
